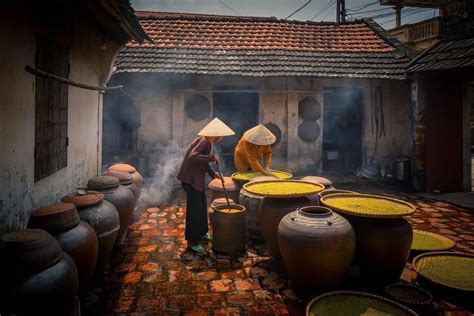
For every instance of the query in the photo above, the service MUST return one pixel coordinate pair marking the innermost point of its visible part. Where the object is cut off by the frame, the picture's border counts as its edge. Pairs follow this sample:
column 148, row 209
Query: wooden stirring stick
column 223, row 185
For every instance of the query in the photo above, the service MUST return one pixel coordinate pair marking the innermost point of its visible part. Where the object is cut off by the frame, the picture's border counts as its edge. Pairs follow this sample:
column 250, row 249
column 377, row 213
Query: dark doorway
column 238, row 108
column 342, row 129
column 443, row 136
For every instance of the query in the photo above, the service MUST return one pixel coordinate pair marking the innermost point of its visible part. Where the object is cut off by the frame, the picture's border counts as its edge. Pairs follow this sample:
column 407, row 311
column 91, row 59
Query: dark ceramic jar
column 126, row 180
column 317, row 246
column 76, row 237
column 137, row 177
column 103, row 217
column 252, row 203
column 120, row 197
column 38, row 278
column 272, row 211
column 229, row 229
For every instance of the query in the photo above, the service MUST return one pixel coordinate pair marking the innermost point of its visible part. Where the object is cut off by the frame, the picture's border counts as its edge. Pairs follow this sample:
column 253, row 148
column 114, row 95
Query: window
column 51, row 109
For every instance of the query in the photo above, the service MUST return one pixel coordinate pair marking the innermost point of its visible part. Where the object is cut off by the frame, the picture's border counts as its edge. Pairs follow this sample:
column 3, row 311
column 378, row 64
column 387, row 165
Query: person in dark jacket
column 192, row 174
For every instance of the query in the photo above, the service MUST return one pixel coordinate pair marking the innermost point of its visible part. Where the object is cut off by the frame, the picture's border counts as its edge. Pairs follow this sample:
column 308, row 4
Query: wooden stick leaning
column 223, row 185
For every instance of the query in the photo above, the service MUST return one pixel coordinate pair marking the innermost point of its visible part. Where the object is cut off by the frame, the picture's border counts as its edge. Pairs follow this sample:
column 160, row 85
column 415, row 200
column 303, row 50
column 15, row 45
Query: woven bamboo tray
column 283, row 188
column 247, row 176
column 352, row 303
column 365, row 205
column 454, row 270
column 428, row 241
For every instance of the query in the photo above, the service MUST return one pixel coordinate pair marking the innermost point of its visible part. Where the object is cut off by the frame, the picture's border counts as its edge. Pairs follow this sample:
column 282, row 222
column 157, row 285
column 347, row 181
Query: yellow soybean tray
column 352, row 303
column 247, row 176
column 365, row 205
column 283, row 188
column 428, row 241
column 454, row 270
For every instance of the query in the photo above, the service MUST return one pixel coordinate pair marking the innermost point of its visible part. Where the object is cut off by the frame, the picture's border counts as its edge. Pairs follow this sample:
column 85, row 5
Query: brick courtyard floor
column 153, row 274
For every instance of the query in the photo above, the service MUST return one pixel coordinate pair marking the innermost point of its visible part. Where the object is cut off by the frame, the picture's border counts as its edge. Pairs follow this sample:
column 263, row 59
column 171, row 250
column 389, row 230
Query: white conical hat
column 259, row 135
column 216, row 128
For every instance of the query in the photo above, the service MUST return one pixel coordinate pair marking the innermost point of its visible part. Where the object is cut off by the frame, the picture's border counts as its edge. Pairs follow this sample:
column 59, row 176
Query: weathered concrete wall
column 278, row 103
column 19, row 194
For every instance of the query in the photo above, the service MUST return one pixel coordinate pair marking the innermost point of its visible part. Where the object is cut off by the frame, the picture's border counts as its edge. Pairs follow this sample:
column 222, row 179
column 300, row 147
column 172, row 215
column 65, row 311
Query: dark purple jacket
column 195, row 164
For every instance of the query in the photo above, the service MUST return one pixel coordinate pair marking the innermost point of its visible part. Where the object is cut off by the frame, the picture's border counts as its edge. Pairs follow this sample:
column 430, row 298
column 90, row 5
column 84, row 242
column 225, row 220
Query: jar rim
column 314, row 211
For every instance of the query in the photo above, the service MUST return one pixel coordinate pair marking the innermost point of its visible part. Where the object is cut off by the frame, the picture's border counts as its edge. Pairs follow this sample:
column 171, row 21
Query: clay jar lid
column 103, row 182
column 84, row 200
column 125, row 178
column 29, row 251
column 55, row 218
column 123, row 167
column 230, row 185
column 323, row 181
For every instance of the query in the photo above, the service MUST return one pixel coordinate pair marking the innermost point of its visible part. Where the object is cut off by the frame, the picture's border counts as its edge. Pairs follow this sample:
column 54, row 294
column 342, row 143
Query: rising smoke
column 164, row 163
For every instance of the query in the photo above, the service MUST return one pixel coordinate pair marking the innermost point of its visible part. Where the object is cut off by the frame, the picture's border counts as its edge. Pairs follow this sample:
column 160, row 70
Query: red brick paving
column 153, row 273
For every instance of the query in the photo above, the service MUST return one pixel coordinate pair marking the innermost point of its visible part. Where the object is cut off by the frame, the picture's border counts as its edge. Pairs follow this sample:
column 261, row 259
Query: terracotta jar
column 38, row 278
column 272, row 211
column 220, row 201
column 137, row 177
column 229, row 229
column 324, row 181
column 126, row 180
column 120, row 197
column 252, row 203
column 76, row 237
column 317, row 246
column 231, row 186
column 103, row 218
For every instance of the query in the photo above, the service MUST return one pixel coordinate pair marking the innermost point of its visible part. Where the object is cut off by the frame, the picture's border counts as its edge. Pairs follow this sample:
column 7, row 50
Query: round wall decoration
column 197, row 107
column 309, row 109
column 275, row 131
column 309, row 131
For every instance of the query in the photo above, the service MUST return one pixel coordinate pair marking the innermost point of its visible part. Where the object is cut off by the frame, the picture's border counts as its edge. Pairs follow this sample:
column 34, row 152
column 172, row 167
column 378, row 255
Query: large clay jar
column 383, row 237
column 137, row 177
column 126, row 180
column 252, row 204
column 76, row 237
column 103, row 218
column 120, row 197
column 317, row 246
column 383, row 247
column 37, row 277
column 280, row 197
column 231, row 186
column 229, row 228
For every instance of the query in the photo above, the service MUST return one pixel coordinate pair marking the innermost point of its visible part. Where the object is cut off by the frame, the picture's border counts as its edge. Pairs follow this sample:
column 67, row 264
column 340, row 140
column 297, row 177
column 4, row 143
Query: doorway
column 237, row 106
column 342, row 129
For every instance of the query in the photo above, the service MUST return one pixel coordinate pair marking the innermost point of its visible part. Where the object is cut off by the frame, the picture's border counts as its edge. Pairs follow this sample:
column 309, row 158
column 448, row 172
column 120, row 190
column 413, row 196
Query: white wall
column 19, row 194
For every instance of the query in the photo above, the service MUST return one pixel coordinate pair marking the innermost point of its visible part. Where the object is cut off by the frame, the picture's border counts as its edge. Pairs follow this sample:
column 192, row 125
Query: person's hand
column 269, row 173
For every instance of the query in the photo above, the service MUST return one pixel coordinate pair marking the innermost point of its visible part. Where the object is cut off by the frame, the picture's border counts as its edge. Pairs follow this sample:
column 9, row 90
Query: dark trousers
column 196, row 213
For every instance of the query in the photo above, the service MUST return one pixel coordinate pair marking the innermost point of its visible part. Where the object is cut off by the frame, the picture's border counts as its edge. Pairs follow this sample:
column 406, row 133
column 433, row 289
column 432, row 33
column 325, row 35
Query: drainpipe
column 398, row 18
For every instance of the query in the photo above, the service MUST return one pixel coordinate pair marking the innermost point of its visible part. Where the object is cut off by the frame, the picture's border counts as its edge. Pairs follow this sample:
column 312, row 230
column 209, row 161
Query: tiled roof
column 445, row 55
column 259, row 46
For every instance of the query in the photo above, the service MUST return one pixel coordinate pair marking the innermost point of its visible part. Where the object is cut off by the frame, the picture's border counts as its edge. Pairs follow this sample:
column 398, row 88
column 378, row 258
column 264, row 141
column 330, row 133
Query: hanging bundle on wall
column 309, row 109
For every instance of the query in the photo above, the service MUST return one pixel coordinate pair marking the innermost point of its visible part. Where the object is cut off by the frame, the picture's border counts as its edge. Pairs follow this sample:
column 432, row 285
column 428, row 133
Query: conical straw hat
column 259, row 135
column 216, row 128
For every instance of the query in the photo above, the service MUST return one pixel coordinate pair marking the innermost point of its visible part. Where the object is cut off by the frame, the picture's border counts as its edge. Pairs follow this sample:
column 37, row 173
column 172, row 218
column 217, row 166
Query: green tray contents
column 408, row 293
column 350, row 304
column 427, row 241
column 247, row 176
column 452, row 270
column 283, row 188
column 367, row 205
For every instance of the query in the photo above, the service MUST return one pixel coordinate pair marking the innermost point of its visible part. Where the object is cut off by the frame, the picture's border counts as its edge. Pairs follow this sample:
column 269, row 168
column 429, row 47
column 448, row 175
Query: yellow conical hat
column 259, row 135
column 216, row 128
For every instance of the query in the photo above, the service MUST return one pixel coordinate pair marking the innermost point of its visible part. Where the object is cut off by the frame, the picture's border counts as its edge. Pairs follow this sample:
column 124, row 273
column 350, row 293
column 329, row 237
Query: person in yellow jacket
column 253, row 145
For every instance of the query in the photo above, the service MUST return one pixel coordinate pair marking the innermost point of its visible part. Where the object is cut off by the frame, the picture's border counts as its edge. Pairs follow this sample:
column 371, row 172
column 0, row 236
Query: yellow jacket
column 247, row 156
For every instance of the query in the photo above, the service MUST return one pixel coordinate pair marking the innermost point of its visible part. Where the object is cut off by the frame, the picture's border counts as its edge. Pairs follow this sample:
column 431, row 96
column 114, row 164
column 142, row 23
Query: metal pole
column 338, row 11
